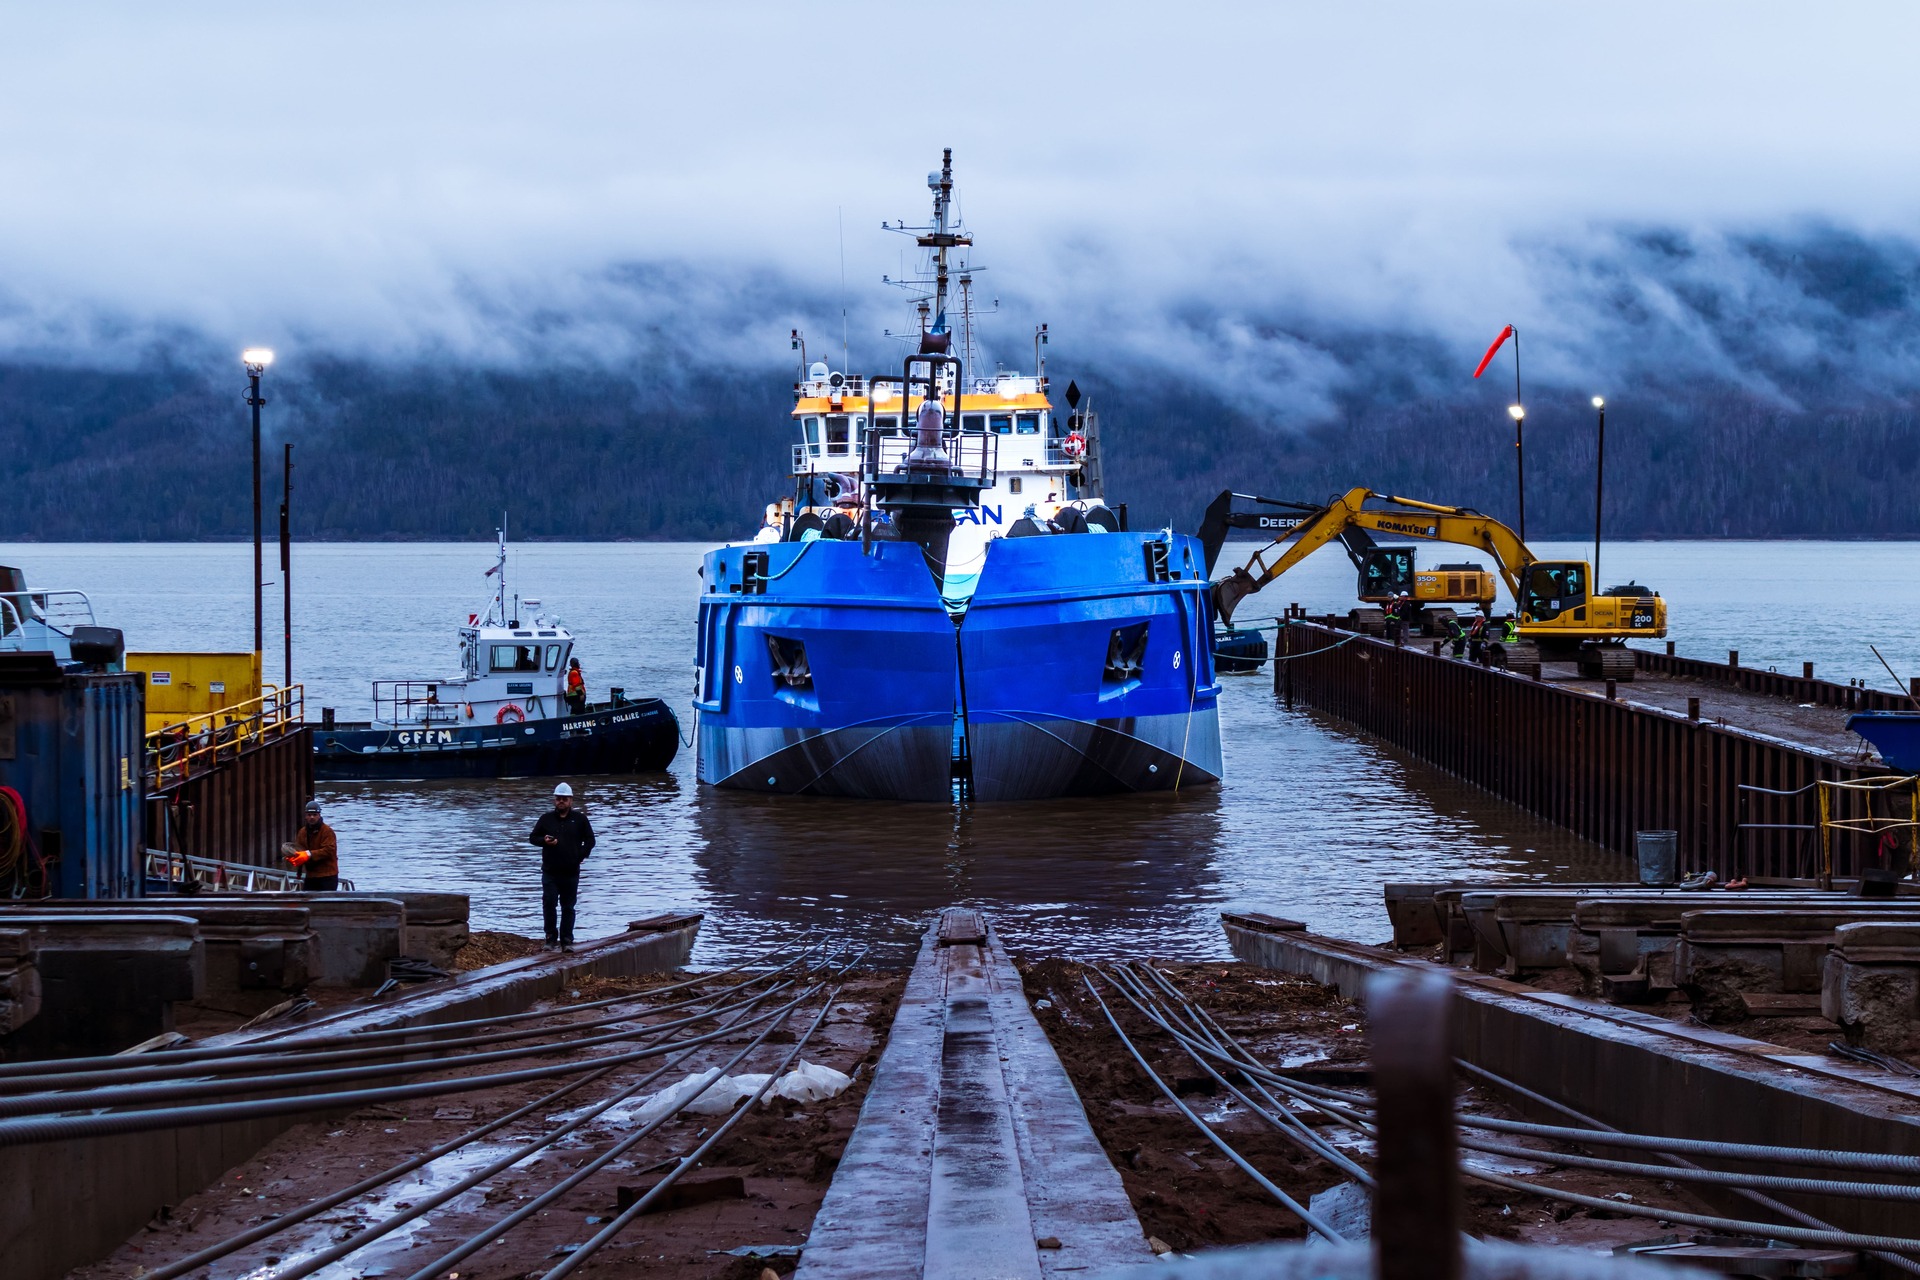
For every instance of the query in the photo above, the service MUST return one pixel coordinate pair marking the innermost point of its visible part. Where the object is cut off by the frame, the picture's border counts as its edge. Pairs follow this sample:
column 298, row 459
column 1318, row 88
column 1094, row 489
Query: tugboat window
column 516, row 657
column 553, row 657
column 973, row 422
column 887, row 423
column 812, row 428
column 1013, row 484
column 1029, row 424
column 1002, row 424
column 837, row 435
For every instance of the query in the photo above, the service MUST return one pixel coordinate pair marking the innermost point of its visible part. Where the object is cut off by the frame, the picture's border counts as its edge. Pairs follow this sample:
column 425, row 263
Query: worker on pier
column 565, row 838
column 1456, row 634
column 316, row 853
column 1477, row 639
column 576, row 694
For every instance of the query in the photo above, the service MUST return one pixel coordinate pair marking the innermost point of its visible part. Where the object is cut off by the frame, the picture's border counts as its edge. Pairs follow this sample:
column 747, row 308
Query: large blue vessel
column 947, row 606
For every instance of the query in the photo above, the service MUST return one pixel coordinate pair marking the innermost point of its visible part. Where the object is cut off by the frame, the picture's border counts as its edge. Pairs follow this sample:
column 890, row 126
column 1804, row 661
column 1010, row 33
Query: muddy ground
column 1191, row 1196
column 783, row 1154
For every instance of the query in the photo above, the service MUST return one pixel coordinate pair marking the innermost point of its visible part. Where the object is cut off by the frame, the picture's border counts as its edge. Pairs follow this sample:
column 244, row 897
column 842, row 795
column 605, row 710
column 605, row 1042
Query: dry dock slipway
column 1532, row 1079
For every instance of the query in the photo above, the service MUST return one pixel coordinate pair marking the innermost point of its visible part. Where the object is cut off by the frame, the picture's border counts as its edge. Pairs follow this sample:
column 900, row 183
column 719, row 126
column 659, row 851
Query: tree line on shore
column 161, row 452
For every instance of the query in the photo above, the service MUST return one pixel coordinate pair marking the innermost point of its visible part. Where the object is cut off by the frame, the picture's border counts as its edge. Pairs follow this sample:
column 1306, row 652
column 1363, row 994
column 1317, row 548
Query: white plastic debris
column 810, row 1082
column 674, row 1096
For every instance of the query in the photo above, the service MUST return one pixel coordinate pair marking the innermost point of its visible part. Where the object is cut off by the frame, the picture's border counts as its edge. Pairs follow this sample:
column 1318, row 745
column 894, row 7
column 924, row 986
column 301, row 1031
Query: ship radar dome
column 817, row 371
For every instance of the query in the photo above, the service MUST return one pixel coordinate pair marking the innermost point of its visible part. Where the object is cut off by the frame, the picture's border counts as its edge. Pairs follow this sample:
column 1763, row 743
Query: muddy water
column 1311, row 821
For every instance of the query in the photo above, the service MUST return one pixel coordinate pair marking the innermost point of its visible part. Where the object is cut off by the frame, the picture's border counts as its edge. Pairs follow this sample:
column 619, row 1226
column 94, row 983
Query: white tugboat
column 504, row 714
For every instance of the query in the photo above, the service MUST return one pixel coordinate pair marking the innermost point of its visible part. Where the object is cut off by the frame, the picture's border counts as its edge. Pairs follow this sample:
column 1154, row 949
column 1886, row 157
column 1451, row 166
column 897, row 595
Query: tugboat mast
column 941, row 238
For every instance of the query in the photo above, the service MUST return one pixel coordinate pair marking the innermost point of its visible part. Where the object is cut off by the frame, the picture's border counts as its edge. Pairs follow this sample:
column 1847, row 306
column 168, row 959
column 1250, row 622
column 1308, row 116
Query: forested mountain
column 161, row 452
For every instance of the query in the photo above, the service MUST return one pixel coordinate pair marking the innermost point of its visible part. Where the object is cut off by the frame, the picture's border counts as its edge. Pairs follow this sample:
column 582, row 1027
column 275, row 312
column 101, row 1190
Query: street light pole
column 286, row 564
column 1519, row 414
column 256, row 360
column 1599, row 483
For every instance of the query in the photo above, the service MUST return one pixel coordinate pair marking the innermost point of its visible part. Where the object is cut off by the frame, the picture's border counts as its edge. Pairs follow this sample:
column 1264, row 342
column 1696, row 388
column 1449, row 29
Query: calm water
column 1312, row 818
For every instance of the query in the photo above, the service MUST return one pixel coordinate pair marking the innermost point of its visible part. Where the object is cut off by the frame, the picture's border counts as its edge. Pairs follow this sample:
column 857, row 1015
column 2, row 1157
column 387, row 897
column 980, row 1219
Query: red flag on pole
column 1493, row 350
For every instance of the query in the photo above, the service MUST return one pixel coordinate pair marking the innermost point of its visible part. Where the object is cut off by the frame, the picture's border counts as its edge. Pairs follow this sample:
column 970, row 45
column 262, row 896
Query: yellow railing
column 197, row 745
column 1900, row 790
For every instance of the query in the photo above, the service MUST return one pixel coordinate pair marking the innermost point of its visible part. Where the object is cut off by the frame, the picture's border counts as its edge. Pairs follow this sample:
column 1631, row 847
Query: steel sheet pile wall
column 242, row 811
column 1602, row 769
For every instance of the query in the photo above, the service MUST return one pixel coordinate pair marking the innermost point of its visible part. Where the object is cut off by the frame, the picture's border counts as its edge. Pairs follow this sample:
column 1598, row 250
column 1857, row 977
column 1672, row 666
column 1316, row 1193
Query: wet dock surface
column 1805, row 724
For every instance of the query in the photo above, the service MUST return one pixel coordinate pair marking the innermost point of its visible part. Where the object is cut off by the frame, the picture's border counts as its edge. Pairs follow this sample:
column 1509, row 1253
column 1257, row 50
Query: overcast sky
column 381, row 176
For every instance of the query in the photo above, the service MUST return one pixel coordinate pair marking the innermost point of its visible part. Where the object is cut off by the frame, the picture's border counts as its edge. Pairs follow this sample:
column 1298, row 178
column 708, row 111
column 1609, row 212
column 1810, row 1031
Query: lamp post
column 1599, row 482
column 1518, row 412
column 256, row 359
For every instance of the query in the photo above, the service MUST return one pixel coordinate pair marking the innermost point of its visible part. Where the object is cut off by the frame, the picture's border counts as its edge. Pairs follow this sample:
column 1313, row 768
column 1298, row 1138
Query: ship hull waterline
column 641, row 736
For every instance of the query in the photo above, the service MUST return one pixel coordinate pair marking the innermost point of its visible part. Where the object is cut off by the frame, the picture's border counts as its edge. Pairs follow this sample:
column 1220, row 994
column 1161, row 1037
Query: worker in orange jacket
column 316, row 853
column 576, row 687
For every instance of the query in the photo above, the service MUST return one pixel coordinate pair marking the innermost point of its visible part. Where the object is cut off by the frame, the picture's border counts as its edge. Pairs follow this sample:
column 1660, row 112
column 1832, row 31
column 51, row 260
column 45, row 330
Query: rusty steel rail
column 1601, row 768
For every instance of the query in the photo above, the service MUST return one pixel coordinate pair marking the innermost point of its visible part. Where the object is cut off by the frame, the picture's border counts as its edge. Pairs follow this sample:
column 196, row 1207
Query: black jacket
column 573, row 839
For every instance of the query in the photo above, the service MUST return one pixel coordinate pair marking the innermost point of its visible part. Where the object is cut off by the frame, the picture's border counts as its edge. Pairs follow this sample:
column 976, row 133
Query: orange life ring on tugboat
column 1075, row 445
column 511, row 712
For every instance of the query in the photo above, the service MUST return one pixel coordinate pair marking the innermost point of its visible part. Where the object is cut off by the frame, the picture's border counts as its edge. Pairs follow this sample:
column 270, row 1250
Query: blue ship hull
column 1894, row 734
column 1020, row 699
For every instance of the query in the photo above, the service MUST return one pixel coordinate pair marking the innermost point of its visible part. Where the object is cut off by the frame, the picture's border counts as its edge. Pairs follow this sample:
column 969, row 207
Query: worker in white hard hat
column 565, row 838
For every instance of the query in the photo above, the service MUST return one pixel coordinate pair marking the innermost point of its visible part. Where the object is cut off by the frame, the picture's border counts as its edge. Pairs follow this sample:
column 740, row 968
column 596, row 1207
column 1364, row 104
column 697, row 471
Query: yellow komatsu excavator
column 1562, row 613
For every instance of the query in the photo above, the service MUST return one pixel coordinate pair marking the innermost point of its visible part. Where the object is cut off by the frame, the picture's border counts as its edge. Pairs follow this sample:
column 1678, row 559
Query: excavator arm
column 1405, row 517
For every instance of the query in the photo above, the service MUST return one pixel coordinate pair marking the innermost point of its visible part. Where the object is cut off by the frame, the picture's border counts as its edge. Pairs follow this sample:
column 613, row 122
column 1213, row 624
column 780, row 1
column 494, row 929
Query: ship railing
column 63, row 609
column 198, row 745
column 971, row 453
column 171, row 871
column 395, row 701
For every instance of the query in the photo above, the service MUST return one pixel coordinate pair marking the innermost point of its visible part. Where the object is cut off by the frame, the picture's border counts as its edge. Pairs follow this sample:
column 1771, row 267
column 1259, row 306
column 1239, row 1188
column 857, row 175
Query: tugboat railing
column 198, row 745
column 418, row 701
column 62, row 607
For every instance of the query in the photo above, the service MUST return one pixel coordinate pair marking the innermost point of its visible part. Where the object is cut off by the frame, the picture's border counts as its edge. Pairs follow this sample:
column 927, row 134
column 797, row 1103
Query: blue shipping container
column 71, row 744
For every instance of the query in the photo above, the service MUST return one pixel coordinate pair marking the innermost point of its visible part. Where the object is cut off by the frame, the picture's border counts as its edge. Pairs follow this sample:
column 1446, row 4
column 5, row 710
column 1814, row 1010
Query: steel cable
column 688, row 1161
column 1306, row 1215
column 359, row 1240
column 480, row 1239
column 286, row 1060
column 130, row 1095
column 63, row 1128
column 274, row 1226
column 1818, row 1233
column 10, row 1072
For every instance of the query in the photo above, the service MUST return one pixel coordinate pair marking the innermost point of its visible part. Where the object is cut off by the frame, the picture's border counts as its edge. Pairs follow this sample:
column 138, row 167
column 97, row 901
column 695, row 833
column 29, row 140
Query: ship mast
column 942, row 237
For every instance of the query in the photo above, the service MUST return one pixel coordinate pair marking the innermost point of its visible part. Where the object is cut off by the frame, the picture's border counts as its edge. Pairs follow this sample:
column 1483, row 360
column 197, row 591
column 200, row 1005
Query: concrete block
column 248, row 946
column 107, row 980
column 1871, row 984
column 433, row 925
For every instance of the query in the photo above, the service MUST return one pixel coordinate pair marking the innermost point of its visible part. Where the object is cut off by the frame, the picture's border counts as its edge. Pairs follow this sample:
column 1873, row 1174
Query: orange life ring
column 1074, row 446
column 512, row 712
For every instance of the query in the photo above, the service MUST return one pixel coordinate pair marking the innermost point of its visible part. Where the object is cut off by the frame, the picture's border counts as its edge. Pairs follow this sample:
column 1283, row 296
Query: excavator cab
column 1386, row 573
column 1555, row 587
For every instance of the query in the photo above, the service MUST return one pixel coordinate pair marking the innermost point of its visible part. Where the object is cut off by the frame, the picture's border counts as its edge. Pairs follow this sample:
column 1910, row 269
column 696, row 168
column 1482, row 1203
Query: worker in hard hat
column 316, row 853
column 565, row 838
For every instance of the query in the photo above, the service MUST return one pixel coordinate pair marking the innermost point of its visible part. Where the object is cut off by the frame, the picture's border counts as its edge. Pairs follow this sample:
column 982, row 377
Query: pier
column 1731, row 760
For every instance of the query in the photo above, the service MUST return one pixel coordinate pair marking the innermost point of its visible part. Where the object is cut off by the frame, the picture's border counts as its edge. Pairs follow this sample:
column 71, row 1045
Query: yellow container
column 182, row 685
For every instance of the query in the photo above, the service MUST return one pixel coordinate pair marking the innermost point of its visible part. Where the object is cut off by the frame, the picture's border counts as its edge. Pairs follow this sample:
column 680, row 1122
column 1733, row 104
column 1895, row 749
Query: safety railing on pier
column 181, row 869
column 196, row 746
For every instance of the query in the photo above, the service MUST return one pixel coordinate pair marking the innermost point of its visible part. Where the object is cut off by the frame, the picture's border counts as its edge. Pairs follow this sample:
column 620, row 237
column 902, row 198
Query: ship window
column 553, row 657
column 1029, row 424
column 887, row 423
column 811, row 426
column 516, row 657
column 1002, row 424
column 837, row 434
column 1013, row 484
column 973, row 422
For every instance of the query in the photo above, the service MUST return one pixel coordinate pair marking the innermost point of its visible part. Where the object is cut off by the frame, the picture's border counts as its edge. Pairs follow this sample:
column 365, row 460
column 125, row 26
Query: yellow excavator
column 1562, row 614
